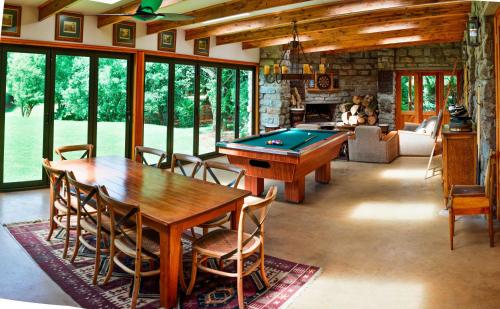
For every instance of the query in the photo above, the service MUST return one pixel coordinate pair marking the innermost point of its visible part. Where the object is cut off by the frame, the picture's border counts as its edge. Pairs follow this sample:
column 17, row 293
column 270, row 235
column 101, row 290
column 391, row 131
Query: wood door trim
column 497, row 107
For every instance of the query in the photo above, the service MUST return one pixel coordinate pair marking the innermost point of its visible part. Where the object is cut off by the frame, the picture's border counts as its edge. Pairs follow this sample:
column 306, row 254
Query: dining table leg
column 170, row 241
column 235, row 214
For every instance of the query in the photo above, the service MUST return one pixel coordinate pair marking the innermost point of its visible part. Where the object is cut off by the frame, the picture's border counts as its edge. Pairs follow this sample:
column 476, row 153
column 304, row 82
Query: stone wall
column 479, row 62
column 358, row 74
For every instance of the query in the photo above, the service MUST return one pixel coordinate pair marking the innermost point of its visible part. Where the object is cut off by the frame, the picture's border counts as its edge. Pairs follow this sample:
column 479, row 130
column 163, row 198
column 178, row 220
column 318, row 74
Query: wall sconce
column 473, row 31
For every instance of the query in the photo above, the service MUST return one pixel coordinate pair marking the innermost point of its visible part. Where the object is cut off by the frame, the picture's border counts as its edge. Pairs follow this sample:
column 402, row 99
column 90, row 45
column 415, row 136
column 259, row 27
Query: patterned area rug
column 286, row 278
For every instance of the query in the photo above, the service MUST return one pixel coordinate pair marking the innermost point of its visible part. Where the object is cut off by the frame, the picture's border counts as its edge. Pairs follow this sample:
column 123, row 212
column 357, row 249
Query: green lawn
column 24, row 141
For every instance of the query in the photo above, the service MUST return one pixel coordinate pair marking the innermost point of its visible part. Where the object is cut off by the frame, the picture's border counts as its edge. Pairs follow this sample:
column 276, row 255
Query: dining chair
column 61, row 200
column 86, row 148
column 209, row 168
column 91, row 220
column 178, row 159
column 140, row 243
column 235, row 245
column 474, row 200
column 140, row 151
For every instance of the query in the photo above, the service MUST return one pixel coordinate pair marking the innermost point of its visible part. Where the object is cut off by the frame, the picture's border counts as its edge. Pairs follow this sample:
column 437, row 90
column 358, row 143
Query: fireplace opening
column 320, row 113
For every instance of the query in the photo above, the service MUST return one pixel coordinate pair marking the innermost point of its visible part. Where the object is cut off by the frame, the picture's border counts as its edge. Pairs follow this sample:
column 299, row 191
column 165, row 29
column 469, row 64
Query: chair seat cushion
column 468, row 190
column 150, row 242
column 220, row 242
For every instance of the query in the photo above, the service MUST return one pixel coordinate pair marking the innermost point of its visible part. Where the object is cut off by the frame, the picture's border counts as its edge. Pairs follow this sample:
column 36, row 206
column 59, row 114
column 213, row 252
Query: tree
column 26, row 80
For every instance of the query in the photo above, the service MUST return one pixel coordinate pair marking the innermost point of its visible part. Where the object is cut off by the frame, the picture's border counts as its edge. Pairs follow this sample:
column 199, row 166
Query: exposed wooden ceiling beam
column 451, row 12
column 52, row 7
column 222, row 10
column 347, row 49
column 128, row 8
column 369, row 42
column 424, row 25
column 324, row 11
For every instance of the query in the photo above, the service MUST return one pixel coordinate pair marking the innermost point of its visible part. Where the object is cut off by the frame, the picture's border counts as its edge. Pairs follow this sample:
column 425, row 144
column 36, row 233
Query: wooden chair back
column 439, row 124
column 210, row 166
column 120, row 213
column 58, row 183
column 489, row 179
column 257, row 213
column 85, row 194
column 178, row 159
column 141, row 150
column 87, row 150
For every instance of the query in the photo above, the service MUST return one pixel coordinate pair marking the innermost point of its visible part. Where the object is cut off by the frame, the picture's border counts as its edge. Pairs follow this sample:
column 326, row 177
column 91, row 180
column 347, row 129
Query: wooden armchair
column 139, row 243
column 140, row 151
column 235, row 246
column 473, row 200
column 87, row 150
column 178, row 159
column 208, row 170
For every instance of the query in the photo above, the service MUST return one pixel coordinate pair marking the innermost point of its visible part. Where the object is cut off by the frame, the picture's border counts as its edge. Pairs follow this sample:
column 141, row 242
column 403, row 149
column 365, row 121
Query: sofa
column 369, row 145
column 418, row 139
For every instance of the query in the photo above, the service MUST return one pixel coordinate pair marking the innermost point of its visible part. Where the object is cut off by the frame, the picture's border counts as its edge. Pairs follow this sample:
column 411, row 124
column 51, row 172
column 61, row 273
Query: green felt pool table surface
column 291, row 138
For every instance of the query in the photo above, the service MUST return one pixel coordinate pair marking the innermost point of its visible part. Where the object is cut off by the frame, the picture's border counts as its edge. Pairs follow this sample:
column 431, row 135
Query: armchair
column 418, row 139
column 368, row 145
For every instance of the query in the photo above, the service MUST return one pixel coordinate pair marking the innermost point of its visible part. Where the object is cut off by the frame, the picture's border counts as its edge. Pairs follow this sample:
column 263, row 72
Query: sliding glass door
column 112, row 107
column 183, row 137
column 71, row 101
column 207, row 110
column 23, row 116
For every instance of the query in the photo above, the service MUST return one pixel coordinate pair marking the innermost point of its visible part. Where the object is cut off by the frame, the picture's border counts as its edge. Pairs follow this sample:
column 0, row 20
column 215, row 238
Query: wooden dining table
column 170, row 203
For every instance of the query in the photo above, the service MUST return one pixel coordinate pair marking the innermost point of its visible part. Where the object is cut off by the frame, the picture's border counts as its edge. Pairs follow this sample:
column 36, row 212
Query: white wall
column 44, row 31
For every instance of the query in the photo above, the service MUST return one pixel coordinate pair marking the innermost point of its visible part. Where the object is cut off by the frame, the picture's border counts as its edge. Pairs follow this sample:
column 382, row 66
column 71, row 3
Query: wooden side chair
column 90, row 221
column 435, row 136
column 235, row 246
column 61, row 210
column 140, row 243
column 140, row 151
column 473, row 200
column 178, row 159
column 87, row 150
column 208, row 174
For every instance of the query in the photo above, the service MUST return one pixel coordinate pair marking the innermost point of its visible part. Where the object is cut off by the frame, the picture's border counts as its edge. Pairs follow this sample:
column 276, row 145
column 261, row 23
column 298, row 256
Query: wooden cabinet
column 459, row 158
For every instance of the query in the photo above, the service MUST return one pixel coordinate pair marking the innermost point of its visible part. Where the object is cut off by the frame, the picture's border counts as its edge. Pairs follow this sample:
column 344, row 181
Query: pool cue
column 303, row 142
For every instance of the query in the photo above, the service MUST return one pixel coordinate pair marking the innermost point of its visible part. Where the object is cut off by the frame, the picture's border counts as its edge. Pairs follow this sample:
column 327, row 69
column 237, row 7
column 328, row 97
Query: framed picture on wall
column 202, row 47
column 69, row 27
column 166, row 40
column 124, row 34
column 11, row 20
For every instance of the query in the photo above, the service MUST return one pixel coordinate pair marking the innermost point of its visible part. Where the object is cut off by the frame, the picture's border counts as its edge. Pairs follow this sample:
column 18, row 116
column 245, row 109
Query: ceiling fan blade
column 174, row 17
column 117, row 14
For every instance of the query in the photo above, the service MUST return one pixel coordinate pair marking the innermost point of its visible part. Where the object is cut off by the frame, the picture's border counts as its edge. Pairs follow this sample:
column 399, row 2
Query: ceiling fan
column 149, row 10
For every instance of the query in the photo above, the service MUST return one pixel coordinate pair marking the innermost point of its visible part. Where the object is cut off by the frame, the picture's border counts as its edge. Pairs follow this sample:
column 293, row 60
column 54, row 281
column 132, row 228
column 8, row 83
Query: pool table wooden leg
column 254, row 185
column 323, row 174
column 295, row 190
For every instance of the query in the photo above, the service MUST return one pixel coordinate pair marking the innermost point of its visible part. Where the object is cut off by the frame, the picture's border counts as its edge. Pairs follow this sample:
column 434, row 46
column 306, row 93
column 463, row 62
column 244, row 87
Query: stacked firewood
column 362, row 110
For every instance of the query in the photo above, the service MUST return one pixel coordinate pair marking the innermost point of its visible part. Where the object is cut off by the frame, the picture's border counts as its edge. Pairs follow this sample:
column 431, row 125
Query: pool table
column 302, row 152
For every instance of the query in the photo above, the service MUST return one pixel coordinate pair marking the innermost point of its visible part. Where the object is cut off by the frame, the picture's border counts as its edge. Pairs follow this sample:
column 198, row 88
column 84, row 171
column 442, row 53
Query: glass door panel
column 450, row 90
column 156, row 106
column 112, row 107
column 228, row 104
column 208, row 109
column 71, row 101
column 184, row 109
column 429, row 94
column 407, row 93
column 24, row 117
column 246, row 100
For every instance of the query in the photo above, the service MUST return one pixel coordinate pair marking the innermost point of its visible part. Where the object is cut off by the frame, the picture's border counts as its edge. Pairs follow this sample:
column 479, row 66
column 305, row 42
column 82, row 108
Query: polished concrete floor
column 377, row 232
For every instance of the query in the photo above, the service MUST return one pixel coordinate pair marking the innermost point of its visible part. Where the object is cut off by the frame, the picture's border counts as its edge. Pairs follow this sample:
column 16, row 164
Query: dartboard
column 324, row 81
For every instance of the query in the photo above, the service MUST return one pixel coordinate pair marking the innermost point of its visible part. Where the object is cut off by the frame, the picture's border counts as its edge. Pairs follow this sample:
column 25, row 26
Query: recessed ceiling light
column 106, row 1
